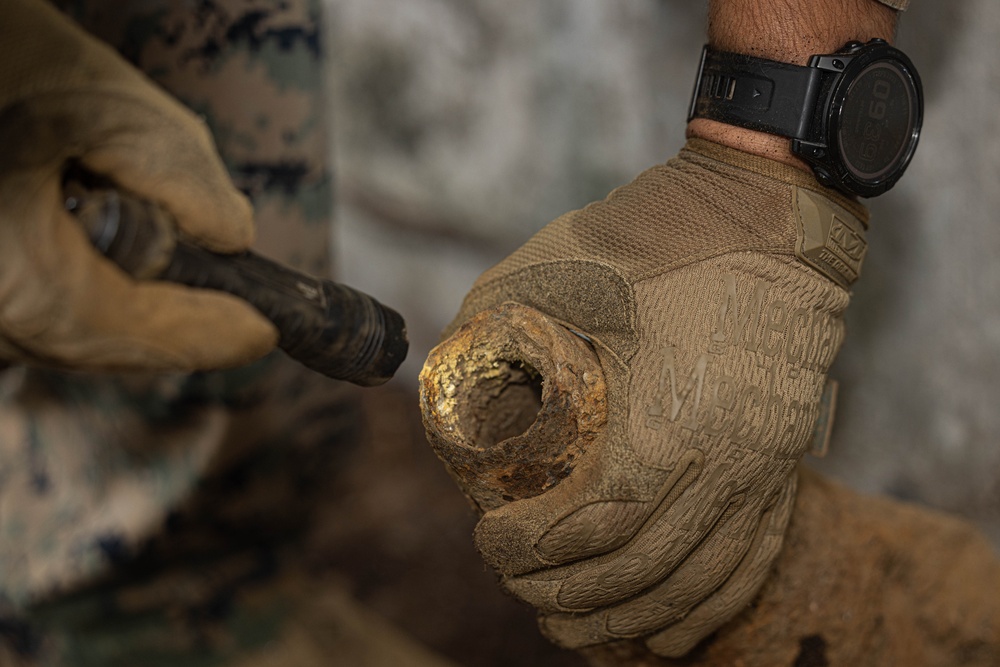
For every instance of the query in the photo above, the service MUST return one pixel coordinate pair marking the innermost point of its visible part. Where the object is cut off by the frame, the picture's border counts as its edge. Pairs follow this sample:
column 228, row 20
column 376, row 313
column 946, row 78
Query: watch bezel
column 831, row 165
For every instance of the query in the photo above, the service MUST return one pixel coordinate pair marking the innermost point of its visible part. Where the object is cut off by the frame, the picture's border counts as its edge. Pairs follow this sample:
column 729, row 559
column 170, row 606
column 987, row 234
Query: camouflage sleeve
column 120, row 479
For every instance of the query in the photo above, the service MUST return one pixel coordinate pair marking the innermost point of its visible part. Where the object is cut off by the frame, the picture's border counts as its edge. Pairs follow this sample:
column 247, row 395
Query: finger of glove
column 665, row 541
column 739, row 589
column 146, row 143
column 597, row 508
column 96, row 106
column 658, row 549
column 63, row 304
column 692, row 582
column 164, row 153
column 648, row 558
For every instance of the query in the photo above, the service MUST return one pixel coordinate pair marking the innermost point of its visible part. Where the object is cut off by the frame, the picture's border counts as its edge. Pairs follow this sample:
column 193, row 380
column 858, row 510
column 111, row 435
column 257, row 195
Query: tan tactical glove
column 65, row 96
column 712, row 289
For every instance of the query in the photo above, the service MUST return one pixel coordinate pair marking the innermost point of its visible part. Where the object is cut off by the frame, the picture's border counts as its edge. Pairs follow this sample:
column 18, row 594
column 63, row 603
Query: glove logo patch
column 830, row 238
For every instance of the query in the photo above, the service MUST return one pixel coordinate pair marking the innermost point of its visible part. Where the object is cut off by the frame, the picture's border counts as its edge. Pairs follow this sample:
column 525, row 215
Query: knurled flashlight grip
column 328, row 327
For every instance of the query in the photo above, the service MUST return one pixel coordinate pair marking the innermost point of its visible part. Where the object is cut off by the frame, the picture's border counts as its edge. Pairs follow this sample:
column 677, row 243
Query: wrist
column 789, row 31
column 770, row 146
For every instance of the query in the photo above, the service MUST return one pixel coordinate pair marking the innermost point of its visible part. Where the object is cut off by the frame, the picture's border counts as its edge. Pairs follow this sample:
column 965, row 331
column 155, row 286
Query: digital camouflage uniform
column 155, row 520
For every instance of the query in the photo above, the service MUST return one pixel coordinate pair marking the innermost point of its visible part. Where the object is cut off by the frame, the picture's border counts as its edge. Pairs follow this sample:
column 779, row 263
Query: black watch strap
column 755, row 93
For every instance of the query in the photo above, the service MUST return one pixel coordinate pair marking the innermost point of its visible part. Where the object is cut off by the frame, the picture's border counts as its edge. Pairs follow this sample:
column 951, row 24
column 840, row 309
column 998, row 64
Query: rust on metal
column 509, row 403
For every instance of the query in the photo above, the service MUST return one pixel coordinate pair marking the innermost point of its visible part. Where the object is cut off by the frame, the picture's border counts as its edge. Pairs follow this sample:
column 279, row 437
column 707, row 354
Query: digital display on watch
column 877, row 121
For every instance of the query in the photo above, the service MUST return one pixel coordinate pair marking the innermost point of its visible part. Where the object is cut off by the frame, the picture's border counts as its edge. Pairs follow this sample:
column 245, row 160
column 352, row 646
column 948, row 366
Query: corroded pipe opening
column 503, row 404
column 509, row 403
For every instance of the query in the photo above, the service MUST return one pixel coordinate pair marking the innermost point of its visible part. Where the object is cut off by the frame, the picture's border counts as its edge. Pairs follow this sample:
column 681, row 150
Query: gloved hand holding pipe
column 640, row 523
column 684, row 345
column 514, row 401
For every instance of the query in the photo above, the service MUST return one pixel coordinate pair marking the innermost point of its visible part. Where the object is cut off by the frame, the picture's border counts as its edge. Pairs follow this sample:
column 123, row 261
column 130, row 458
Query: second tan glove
column 66, row 97
column 712, row 290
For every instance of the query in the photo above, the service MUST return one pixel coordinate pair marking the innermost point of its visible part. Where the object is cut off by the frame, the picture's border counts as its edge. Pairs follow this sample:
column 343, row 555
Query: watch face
column 878, row 122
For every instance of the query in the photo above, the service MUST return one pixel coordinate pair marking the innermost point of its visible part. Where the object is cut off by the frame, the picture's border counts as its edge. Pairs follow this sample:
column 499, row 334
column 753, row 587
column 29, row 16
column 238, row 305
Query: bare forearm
column 788, row 31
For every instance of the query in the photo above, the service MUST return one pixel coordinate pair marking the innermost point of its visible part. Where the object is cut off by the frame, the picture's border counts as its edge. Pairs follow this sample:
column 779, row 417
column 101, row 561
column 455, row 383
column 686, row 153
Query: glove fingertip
column 674, row 645
column 250, row 335
column 226, row 226
column 503, row 543
column 568, row 632
column 198, row 330
column 175, row 165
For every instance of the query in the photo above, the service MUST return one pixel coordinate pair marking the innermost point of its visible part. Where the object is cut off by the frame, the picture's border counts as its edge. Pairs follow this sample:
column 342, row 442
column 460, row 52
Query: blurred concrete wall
column 463, row 126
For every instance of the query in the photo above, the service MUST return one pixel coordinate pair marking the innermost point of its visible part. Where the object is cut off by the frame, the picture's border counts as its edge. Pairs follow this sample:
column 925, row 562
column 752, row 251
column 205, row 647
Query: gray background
column 463, row 126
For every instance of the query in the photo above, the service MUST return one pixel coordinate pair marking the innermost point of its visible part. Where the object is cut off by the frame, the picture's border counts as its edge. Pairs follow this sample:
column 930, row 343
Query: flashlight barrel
column 329, row 327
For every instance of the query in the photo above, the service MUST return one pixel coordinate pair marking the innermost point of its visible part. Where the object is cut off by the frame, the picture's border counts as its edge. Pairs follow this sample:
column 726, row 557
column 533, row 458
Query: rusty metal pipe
column 509, row 402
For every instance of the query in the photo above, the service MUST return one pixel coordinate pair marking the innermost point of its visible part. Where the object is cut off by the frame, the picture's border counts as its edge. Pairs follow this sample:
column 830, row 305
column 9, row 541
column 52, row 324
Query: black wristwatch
column 854, row 115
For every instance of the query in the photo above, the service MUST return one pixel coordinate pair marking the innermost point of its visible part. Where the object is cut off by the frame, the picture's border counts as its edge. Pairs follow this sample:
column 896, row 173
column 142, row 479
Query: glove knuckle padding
column 715, row 341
